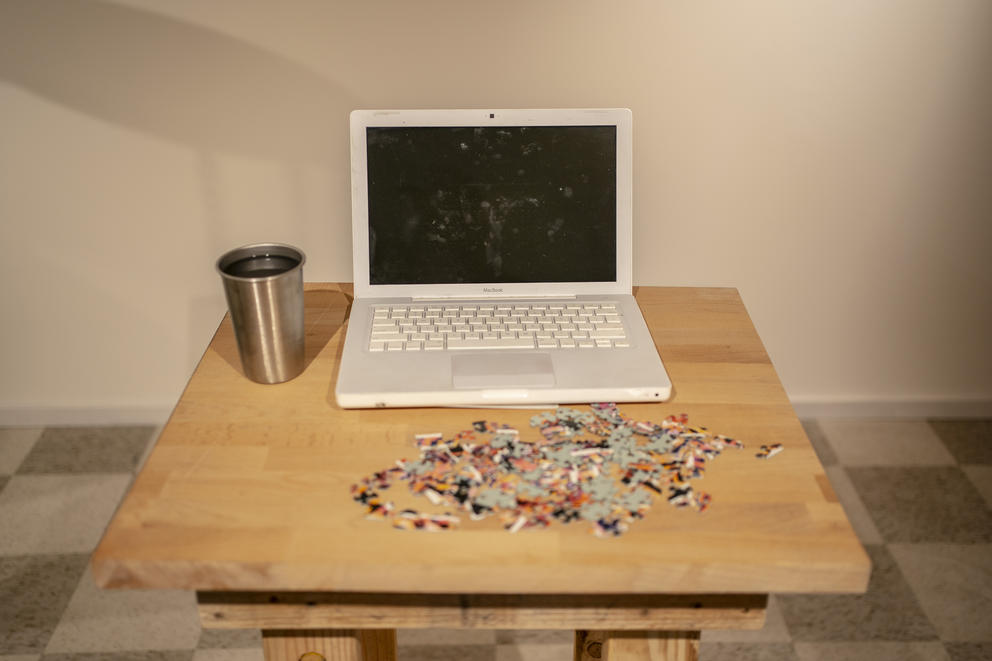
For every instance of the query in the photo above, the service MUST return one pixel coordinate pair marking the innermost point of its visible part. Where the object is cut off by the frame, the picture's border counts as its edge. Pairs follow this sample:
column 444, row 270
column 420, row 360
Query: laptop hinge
column 515, row 297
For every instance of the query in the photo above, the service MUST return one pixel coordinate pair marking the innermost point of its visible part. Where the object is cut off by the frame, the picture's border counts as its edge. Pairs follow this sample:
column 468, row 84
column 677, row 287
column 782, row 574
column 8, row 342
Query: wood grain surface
column 330, row 645
column 307, row 610
column 636, row 646
column 247, row 488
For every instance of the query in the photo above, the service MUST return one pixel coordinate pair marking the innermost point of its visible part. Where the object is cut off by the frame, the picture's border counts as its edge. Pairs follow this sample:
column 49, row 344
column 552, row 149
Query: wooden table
column 245, row 499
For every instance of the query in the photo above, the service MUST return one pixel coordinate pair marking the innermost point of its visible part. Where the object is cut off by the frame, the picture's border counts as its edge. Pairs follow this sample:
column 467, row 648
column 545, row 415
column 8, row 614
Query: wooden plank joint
column 301, row 610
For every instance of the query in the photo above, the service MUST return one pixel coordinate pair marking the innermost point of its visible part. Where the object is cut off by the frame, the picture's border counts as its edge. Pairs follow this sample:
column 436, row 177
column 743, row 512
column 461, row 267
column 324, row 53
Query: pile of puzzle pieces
column 597, row 466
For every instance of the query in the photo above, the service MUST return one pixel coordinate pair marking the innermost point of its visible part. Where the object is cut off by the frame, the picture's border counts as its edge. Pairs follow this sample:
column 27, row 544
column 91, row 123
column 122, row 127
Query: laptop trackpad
column 502, row 370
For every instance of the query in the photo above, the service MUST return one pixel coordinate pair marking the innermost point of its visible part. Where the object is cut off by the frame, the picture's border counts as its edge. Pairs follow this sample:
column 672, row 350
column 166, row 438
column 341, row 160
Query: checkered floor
column 918, row 492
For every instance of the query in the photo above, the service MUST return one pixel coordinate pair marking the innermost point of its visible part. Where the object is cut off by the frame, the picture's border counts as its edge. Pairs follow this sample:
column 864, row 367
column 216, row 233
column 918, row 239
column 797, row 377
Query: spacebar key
column 501, row 343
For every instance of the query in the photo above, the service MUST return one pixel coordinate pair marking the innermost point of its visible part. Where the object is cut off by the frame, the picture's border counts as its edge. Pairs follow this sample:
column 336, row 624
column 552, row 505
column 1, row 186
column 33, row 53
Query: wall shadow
column 198, row 88
column 172, row 79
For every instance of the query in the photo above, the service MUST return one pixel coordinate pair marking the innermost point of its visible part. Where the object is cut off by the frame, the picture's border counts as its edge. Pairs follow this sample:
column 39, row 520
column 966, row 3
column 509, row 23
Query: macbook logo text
column 492, row 290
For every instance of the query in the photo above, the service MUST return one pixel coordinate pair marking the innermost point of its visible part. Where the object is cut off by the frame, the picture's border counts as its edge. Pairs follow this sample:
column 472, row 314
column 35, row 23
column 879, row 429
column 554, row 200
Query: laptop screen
column 491, row 204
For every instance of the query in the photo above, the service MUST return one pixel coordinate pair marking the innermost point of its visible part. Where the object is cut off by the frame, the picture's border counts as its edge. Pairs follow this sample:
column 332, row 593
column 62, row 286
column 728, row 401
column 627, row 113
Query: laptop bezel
column 362, row 119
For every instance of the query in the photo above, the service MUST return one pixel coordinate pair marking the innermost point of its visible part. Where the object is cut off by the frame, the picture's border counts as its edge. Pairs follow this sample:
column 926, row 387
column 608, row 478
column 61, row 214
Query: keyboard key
column 501, row 343
column 609, row 333
column 388, row 337
column 549, row 324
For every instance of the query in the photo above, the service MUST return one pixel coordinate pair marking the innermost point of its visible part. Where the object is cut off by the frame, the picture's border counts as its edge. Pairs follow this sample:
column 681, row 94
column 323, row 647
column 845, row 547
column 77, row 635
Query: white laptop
column 492, row 261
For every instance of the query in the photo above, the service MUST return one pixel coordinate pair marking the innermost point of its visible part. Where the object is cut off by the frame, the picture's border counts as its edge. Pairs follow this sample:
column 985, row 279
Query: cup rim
column 252, row 250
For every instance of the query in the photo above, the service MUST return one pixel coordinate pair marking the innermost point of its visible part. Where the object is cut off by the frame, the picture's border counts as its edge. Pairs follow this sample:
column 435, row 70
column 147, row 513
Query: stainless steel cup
column 263, row 284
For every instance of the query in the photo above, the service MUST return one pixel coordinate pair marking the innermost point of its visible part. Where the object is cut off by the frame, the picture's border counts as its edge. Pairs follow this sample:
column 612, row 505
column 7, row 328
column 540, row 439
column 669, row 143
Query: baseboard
column 900, row 408
column 45, row 416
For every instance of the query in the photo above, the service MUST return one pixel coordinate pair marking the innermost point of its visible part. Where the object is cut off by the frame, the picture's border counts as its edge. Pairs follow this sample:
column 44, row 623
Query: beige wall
column 832, row 160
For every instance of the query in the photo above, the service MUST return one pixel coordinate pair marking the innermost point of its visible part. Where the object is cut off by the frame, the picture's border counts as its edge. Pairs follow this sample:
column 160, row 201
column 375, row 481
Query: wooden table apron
column 245, row 499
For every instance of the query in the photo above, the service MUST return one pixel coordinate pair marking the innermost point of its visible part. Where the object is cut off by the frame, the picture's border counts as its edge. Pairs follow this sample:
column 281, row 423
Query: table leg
column 636, row 646
column 329, row 644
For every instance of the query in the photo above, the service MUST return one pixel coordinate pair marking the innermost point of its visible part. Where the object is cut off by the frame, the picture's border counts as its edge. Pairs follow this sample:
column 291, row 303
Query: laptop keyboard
column 454, row 327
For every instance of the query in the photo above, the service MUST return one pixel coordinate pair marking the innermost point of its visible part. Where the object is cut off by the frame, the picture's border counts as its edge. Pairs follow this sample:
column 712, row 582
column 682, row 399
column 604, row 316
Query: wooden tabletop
column 248, row 486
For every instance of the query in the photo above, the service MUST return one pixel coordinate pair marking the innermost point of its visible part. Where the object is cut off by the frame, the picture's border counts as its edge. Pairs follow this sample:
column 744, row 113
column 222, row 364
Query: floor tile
column 143, row 655
column 857, row 513
column 872, row 651
column 534, row 652
column 814, row 432
column 953, row 585
column 34, row 591
column 885, row 443
column 887, row 611
column 970, row 441
column 57, row 513
column 123, row 620
column 981, row 477
column 774, row 630
column 415, row 637
column 20, row 657
column 747, row 652
column 233, row 654
column 87, row 450
column 447, row 653
column 969, row 651
column 936, row 504
column 15, row 443
column 229, row 639
column 155, row 433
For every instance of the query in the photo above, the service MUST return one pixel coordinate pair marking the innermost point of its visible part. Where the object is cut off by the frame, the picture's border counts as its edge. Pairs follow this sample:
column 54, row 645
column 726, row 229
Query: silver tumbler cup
column 263, row 284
